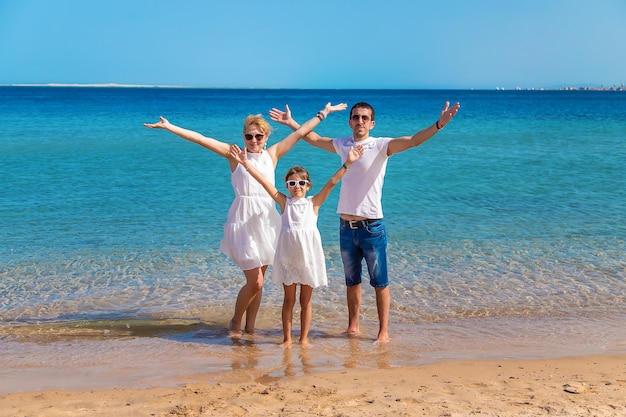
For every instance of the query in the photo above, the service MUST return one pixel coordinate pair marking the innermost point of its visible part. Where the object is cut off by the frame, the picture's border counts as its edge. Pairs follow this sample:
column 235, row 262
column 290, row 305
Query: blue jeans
column 369, row 242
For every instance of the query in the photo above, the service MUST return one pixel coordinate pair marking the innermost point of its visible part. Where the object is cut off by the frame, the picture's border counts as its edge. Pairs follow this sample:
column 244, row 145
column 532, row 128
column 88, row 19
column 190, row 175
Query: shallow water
column 145, row 354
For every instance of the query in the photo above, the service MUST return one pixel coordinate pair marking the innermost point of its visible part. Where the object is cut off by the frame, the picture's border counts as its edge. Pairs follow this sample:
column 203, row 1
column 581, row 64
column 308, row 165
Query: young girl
column 299, row 256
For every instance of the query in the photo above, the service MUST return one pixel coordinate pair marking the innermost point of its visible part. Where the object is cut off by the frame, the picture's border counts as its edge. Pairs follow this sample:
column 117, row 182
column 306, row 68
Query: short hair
column 363, row 105
column 259, row 121
column 297, row 169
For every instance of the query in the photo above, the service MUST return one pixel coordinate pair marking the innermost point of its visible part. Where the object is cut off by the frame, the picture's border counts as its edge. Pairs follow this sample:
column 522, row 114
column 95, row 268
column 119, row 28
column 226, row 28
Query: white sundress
column 299, row 254
column 251, row 230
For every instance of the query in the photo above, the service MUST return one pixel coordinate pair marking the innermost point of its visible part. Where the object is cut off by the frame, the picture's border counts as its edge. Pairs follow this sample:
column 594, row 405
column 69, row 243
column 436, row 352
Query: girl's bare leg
column 289, row 301
column 306, row 294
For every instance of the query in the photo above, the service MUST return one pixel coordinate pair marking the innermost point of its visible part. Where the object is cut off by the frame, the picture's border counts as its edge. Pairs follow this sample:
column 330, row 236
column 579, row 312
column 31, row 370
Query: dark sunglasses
column 258, row 136
column 356, row 117
column 301, row 183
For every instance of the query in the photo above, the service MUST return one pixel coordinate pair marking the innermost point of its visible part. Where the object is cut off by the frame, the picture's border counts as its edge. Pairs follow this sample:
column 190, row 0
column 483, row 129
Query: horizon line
column 116, row 85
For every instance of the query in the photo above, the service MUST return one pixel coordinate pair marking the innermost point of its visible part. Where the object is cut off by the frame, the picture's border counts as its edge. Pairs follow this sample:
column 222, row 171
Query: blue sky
column 480, row 44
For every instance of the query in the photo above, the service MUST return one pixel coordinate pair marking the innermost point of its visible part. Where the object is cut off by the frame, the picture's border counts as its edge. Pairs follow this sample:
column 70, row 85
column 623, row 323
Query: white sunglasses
column 292, row 183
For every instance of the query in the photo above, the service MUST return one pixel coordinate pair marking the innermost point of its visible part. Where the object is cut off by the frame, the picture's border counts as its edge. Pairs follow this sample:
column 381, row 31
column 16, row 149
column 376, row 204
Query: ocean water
column 507, row 230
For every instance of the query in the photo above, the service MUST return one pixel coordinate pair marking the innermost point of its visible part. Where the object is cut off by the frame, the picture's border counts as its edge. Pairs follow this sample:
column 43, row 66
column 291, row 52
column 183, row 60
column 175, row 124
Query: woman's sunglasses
column 301, row 183
column 258, row 136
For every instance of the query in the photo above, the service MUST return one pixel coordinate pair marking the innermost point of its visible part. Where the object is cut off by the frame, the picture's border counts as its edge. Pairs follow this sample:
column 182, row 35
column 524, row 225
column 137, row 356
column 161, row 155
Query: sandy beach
column 575, row 386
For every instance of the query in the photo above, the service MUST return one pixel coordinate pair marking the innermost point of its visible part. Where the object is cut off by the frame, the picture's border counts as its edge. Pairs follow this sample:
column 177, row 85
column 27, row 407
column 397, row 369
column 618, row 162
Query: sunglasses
column 293, row 183
column 258, row 136
column 356, row 117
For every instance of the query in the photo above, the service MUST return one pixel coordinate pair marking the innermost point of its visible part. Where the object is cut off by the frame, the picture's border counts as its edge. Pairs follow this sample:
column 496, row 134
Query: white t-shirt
column 361, row 189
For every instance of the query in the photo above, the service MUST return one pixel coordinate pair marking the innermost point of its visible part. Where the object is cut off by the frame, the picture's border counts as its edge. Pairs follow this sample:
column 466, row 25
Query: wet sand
column 577, row 386
column 198, row 370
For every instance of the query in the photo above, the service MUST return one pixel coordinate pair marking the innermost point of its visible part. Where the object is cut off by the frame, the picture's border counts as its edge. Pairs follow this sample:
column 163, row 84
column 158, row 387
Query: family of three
column 256, row 235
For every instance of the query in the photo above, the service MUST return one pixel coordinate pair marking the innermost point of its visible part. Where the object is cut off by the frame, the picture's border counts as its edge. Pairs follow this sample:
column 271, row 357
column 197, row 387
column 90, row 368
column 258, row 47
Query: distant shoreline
column 108, row 85
column 621, row 87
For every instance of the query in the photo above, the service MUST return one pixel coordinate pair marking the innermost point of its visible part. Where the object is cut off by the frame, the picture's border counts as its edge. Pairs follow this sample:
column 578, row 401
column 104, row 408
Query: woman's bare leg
column 248, row 300
column 255, row 304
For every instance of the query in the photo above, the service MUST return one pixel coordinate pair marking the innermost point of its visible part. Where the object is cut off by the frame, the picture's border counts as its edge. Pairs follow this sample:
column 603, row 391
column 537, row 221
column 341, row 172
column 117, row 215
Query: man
column 362, row 231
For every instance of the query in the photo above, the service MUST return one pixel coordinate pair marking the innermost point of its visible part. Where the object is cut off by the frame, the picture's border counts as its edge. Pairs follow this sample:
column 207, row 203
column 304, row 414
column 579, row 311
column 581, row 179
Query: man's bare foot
column 286, row 344
column 382, row 339
column 305, row 343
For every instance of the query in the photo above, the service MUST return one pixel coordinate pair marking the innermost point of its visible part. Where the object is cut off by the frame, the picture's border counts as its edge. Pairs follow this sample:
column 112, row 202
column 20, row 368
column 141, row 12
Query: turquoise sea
column 507, row 232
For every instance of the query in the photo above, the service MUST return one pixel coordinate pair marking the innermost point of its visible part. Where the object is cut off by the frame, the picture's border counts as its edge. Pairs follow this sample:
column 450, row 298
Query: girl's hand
column 163, row 124
column 282, row 117
column 355, row 153
column 237, row 154
column 337, row 107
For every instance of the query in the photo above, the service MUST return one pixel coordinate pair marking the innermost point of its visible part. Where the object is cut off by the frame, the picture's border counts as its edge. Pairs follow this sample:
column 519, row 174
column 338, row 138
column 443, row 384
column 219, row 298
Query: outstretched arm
column 403, row 143
column 284, row 117
column 286, row 144
column 211, row 144
column 319, row 198
column 241, row 157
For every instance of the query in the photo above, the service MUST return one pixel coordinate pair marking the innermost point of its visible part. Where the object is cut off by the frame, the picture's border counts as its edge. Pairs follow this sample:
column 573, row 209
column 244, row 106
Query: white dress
column 299, row 254
column 251, row 230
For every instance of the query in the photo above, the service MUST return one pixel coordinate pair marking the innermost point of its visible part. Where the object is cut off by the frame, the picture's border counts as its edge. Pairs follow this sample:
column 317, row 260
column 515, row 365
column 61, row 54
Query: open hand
column 448, row 113
column 237, row 154
column 282, row 117
column 337, row 107
column 159, row 125
column 355, row 153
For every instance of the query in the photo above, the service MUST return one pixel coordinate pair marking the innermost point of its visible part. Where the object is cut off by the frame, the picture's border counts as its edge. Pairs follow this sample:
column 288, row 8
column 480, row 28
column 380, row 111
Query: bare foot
column 286, row 344
column 382, row 339
column 352, row 333
column 234, row 330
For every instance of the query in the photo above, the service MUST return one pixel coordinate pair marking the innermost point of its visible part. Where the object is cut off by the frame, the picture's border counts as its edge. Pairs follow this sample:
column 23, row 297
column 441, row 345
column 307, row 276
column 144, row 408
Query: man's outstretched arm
column 403, row 143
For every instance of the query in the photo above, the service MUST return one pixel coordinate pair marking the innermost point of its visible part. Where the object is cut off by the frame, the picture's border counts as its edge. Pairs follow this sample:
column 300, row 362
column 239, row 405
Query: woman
column 251, row 230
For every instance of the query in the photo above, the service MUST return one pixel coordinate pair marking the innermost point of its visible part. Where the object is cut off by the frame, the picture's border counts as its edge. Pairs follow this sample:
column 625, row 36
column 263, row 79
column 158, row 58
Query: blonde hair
column 259, row 121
